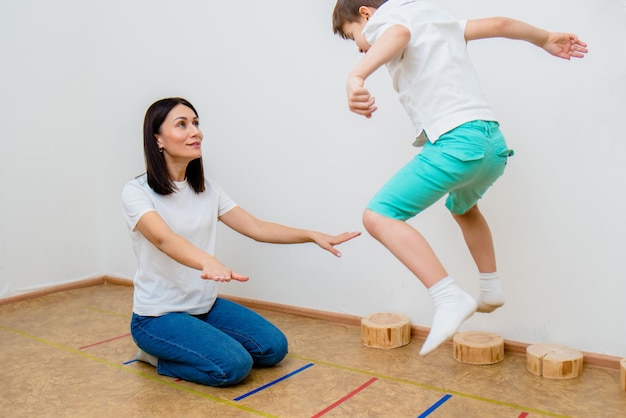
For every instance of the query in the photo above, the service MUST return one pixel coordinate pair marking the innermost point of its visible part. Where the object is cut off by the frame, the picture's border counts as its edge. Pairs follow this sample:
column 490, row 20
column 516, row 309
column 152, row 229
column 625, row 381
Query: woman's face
column 180, row 137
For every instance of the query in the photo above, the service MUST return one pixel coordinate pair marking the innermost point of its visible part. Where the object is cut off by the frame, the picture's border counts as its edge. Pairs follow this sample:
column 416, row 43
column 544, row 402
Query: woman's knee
column 235, row 368
column 231, row 370
column 274, row 352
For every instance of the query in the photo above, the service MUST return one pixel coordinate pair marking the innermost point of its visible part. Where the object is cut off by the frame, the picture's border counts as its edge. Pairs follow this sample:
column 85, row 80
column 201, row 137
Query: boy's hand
column 359, row 99
column 565, row 45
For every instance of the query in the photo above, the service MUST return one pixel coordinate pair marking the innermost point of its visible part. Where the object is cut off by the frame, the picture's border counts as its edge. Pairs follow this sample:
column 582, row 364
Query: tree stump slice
column 554, row 361
column 622, row 374
column 385, row 330
column 476, row 347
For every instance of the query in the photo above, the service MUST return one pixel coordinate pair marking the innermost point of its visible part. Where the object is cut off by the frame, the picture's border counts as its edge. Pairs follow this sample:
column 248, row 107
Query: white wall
column 268, row 82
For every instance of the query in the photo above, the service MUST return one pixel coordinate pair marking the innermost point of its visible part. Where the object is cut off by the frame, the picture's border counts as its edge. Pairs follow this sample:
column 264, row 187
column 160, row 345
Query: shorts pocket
column 464, row 152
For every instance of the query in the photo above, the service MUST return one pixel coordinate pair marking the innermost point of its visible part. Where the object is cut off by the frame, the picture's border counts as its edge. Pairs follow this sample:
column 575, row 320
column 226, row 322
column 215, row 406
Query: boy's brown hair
column 347, row 11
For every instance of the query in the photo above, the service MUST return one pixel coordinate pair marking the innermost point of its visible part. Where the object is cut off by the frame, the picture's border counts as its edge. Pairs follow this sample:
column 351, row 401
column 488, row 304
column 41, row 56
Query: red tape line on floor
column 105, row 341
column 345, row 398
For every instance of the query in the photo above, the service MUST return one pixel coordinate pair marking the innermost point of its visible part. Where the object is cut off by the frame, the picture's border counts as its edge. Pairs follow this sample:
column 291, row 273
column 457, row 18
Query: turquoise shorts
column 462, row 163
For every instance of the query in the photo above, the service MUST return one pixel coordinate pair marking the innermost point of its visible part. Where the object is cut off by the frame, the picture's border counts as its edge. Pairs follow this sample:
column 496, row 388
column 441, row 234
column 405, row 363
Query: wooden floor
column 69, row 354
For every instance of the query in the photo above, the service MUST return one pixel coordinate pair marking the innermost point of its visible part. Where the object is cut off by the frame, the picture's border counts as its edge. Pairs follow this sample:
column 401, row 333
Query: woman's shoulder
column 136, row 184
column 140, row 180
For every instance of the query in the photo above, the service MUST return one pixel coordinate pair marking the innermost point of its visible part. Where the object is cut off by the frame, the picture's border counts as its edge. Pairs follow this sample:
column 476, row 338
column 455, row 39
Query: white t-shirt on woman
column 162, row 284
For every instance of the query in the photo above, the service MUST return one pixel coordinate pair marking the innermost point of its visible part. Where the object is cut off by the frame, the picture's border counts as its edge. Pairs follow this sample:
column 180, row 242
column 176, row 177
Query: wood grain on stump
column 385, row 330
column 476, row 347
column 554, row 361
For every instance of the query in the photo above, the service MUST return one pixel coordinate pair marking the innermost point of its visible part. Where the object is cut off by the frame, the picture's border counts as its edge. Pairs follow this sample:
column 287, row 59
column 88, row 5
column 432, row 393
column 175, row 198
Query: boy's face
column 353, row 30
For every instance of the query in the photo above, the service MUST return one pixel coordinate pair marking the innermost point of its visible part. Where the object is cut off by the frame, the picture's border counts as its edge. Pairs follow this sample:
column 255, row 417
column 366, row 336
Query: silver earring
column 161, row 150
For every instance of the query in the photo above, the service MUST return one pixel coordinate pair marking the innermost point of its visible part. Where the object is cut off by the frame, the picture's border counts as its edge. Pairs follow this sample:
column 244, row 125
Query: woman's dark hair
column 156, row 168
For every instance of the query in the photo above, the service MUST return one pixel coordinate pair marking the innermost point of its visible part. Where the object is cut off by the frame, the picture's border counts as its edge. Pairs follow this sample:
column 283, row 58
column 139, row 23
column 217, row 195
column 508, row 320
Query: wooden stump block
column 622, row 373
column 554, row 361
column 475, row 347
column 385, row 330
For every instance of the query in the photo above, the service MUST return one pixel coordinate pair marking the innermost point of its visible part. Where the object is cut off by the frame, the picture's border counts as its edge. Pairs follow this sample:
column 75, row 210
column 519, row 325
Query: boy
column 425, row 51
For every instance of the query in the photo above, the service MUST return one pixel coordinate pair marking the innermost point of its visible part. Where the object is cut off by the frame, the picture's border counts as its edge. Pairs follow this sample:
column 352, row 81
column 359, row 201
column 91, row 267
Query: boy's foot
column 452, row 307
column 491, row 296
column 485, row 307
column 146, row 358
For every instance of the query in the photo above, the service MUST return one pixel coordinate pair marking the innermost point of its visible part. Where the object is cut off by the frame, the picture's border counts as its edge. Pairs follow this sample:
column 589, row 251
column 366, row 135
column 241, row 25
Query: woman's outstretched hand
column 217, row 272
column 328, row 242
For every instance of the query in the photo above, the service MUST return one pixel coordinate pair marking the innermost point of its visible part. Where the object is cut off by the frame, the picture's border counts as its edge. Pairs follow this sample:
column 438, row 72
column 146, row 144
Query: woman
column 179, row 323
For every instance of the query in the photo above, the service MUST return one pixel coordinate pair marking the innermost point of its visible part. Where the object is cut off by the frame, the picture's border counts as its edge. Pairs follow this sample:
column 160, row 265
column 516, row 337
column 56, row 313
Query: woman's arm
column 562, row 45
column 156, row 230
column 259, row 230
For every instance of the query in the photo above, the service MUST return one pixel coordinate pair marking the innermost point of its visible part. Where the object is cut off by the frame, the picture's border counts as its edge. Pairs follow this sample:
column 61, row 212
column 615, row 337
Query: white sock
column 452, row 307
column 146, row 358
column 491, row 296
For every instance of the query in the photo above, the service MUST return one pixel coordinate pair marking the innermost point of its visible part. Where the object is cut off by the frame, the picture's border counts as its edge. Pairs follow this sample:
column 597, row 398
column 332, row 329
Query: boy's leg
column 452, row 305
column 408, row 245
column 462, row 204
column 432, row 174
column 478, row 238
column 480, row 244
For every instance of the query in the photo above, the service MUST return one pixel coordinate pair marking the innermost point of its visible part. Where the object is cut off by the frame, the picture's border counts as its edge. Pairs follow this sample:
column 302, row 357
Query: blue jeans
column 218, row 348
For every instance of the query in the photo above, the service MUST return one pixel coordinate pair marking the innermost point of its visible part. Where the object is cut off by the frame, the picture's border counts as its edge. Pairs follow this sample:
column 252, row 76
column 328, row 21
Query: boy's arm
column 389, row 45
column 562, row 45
